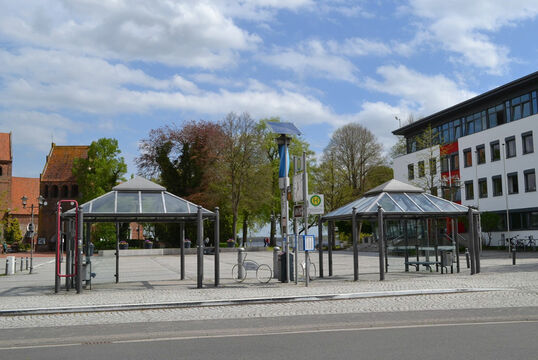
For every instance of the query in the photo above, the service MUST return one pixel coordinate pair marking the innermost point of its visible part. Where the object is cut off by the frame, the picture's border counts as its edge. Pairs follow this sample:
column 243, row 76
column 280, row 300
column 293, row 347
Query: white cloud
column 422, row 93
column 358, row 47
column 36, row 130
column 312, row 59
column 193, row 34
column 465, row 27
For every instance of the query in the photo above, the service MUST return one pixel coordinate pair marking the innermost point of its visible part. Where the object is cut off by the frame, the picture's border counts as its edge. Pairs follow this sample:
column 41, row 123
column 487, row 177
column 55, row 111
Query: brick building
column 6, row 161
column 57, row 182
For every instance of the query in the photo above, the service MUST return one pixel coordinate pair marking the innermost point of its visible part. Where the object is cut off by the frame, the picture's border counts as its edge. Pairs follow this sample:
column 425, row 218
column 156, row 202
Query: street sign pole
column 305, row 211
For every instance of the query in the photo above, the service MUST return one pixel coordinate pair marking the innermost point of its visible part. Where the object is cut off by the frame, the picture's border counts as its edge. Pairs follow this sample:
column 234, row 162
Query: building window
column 444, row 163
column 467, row 157
column 496, row 115
column 480, row 154
column 421, row 171
column 433, row 166
column 54, row 191
column 534, row 103
column 497, row 185
column 65, row 191
column 410, row 172
column 512, row 183
column 46, row 191
column 0, row 171
column 454, row 162
column 482, row 188
column 74, row 191
column 495, row 148
column 521, row 107
column 510, row 146
column 469, row 190
column 530, row 180
column 526, row 140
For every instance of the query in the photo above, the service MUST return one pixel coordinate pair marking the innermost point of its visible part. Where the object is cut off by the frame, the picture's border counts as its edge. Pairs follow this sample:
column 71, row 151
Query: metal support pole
column 32, row 243
column 470, row 218
column 406, row 237
column 467, row 258
column 57, row 255
column 295, row 239
column 320, row 246
column 381, row 244
column 477, row 242
column 305, row 219
column 79, row 248
column 355, row 248
column 68, row 258
column 182, row 250
column 199, row 249
column 436, row 237
column 457, row 245
column 217, row 247
column 117, row 253
column 330, row 248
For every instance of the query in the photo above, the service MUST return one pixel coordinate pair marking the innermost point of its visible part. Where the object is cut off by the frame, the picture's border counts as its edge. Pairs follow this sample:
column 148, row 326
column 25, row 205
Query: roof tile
column 5, row 147
column 28, row 187
column 60, row 162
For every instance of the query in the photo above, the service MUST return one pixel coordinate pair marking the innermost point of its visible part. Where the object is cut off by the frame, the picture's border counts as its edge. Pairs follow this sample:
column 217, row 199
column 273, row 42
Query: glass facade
column 507, row 111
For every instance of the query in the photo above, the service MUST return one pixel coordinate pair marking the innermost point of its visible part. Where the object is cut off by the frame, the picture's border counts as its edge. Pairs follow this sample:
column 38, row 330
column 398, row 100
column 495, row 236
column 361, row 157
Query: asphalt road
column 465, row 334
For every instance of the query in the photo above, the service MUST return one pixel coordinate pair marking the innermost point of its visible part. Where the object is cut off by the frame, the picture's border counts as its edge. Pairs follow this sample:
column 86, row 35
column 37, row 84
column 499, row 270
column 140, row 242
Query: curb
column 228, row 302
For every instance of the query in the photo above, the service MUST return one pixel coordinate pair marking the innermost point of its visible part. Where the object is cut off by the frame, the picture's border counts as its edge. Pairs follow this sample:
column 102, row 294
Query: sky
column 74, row 71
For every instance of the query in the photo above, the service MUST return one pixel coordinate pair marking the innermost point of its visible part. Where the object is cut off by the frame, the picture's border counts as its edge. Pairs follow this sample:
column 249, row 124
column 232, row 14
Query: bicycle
column 312, row 270
column 264, row 274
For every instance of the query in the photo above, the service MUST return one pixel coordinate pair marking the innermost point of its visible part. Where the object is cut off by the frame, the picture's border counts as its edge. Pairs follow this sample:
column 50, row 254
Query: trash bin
column 446, row 260
column 282, row 267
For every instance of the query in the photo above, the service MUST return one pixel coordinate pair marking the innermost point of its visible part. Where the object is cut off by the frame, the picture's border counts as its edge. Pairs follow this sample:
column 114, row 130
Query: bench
column 426, row 264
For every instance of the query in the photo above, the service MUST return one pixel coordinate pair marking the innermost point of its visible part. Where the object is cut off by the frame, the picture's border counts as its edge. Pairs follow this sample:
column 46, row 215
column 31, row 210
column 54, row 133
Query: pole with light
column 41, row 201
column 283, row 141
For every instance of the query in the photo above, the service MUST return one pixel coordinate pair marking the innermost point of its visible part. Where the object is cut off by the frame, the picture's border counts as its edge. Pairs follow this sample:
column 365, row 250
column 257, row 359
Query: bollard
column 27, row 263
column 467, row 258
column 22, row 263
column 14, row 265
column 10, row 265
column 240, row 260
column 276, row 268
column 514, row 255
column 7, row 264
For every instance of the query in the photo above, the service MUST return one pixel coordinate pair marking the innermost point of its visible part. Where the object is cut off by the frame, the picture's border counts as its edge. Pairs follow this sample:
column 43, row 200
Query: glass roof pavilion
column 398, row 199
column 139, row 200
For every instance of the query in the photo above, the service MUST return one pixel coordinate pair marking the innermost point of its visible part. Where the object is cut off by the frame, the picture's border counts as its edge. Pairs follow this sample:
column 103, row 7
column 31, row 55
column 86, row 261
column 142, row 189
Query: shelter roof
column 60, row 162
column 28, row 187
column 398, row 202
column 5, row 147
column 139, row 200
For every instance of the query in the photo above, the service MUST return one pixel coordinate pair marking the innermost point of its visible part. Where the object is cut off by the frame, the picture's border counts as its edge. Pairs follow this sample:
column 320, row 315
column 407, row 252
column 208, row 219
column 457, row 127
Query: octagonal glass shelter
column 140, row 200
column 406, row 208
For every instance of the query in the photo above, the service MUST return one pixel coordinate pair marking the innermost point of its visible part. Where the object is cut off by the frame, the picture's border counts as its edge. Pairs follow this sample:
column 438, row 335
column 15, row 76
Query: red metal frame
column 59, row 238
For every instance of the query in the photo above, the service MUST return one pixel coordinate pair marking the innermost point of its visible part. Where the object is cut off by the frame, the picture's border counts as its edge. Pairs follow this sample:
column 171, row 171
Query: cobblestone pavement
column 149, row 280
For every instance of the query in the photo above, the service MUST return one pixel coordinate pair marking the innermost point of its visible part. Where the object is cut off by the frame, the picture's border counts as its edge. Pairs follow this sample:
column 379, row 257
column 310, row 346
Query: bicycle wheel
column 239, row 273
column 264, row 274
column 312, row 273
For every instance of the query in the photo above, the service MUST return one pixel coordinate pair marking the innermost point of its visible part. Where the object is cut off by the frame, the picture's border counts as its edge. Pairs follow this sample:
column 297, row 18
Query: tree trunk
column 245, row 228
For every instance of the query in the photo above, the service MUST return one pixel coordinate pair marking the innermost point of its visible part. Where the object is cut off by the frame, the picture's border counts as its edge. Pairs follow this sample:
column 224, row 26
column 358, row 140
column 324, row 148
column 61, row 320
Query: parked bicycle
column 312, row 270
column 264, row 274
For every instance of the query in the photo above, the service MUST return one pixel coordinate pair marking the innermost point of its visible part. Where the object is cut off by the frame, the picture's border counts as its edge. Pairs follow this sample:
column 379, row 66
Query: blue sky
column 74, row 71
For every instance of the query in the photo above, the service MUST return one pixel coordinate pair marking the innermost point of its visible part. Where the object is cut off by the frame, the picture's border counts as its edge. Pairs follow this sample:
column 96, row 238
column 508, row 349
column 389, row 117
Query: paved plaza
column 154, row 280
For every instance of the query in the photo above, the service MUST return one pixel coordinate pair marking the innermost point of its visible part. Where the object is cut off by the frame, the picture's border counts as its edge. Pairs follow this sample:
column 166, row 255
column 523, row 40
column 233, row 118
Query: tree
column 183, row 159
column 355, row 151
column 489, row 222
column 239, row 165
column 101, row 170
column 12, row 229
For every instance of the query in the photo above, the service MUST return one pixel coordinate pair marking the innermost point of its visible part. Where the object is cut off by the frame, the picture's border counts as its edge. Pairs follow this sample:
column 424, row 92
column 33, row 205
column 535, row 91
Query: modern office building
column 481, row 154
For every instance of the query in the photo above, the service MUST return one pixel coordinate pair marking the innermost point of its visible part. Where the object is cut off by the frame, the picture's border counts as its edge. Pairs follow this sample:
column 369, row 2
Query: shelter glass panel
column 152, row 203
column 442, row 204
column 388, row 205
column 128, row 202
column 175, row 205
column 103, row 204
column 405, row 203
column 423, row 202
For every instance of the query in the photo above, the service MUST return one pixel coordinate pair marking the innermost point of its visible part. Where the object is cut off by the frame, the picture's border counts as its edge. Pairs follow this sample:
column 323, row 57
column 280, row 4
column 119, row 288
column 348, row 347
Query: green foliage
column 11, row 229
column 101, row 170
column 489, row 223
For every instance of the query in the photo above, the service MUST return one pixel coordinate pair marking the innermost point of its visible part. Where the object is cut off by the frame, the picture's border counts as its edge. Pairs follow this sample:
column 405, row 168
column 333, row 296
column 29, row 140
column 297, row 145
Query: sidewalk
column 152, row 282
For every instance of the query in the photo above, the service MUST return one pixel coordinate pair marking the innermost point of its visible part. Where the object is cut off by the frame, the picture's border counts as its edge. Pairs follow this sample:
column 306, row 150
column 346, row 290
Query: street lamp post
column 41, row 201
